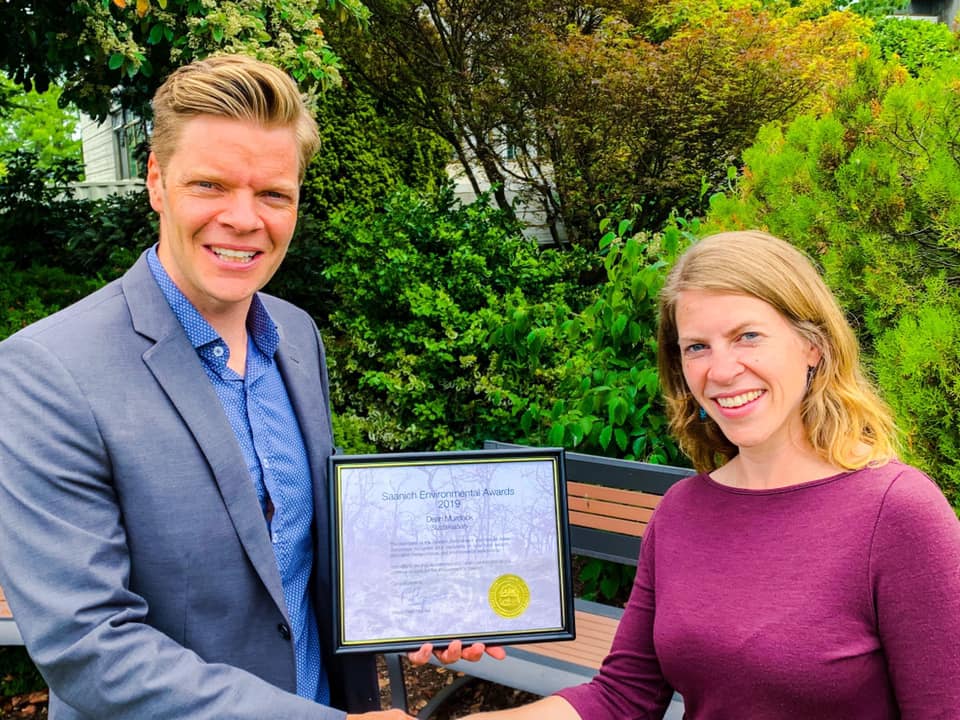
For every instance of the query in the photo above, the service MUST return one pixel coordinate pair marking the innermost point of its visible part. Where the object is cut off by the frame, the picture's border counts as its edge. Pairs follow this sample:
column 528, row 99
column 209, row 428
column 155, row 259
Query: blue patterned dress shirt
column 262, row 418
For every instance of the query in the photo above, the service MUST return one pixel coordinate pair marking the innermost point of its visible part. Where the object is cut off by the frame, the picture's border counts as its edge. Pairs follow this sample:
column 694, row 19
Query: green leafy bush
column 37, row 212
column 607, row 397
column 604, row 580
column 365, row 152
column 114, row 231
column 42, row 223
column 417, row 291
column 29, row 295
column 916, row 44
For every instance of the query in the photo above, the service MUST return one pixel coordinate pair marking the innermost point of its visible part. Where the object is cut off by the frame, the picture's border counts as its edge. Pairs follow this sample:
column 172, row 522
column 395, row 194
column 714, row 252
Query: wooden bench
column 9, row 635
column 609, row 504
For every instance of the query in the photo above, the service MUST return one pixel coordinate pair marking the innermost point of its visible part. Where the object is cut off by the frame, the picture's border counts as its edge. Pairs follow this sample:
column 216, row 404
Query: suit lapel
column 176, row 367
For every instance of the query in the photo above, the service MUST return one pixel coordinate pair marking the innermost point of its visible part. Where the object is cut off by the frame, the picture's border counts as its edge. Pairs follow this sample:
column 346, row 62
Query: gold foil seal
column 509, row 596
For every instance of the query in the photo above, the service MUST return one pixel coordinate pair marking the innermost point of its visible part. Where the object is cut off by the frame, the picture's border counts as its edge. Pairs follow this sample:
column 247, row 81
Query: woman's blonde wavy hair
column 845, row 420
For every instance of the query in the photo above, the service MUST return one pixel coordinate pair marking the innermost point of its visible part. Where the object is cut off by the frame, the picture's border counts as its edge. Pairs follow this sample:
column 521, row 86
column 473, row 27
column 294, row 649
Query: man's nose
column 242, row 213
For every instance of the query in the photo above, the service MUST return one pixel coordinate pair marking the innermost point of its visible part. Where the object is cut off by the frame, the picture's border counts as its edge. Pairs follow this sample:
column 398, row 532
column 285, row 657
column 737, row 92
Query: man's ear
column 155, row 183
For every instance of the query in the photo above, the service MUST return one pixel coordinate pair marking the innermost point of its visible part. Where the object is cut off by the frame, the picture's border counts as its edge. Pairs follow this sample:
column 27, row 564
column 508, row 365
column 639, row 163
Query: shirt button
column 284, row 631
column 266, row 464
column 218, row 351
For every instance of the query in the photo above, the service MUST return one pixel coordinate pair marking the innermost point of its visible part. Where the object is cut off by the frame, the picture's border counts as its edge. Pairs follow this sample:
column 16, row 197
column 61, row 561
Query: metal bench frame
column 9, row 634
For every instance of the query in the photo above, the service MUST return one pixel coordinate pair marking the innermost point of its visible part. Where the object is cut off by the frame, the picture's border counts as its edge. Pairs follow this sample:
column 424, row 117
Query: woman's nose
column 725, row 366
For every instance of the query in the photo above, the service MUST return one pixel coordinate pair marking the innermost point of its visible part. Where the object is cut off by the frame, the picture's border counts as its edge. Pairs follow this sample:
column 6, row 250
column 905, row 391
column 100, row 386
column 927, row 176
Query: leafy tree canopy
column 35, row 122
column 612, row 108
column 102, row 50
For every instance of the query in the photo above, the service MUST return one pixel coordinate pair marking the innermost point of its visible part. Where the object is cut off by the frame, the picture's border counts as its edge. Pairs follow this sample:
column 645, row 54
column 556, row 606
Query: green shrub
column 416, row 291
column 37, row 213
column 29, row 295
column 365, row 152
column 607, row 397
column 870, row 191
column 18, row 675
column 917, row 44
column 918, row 364
column 42, row 223
column 115, row 230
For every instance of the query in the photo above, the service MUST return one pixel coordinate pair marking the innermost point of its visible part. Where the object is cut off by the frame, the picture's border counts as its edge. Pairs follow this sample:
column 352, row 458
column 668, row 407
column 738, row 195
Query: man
column 163, row 444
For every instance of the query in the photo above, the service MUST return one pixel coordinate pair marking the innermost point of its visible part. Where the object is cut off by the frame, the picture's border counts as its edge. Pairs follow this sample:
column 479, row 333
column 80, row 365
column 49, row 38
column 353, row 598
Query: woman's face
column 747, row 367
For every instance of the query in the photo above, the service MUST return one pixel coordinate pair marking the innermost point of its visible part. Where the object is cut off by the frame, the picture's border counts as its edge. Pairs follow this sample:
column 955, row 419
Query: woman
column 804, row 572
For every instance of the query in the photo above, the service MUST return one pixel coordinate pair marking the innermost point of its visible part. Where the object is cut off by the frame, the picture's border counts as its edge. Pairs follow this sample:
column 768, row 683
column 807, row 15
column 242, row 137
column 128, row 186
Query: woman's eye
column 694, row 348
column 748, row 336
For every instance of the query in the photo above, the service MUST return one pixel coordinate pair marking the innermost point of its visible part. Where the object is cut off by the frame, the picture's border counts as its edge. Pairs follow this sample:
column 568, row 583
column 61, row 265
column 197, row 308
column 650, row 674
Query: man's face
column 227, row 202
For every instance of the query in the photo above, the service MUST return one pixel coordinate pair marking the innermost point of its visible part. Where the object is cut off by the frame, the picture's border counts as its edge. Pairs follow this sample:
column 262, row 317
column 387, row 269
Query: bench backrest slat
column 608, row 509
column 4, row 608
column 612, row 496
column 610, row 501
column 610, row 524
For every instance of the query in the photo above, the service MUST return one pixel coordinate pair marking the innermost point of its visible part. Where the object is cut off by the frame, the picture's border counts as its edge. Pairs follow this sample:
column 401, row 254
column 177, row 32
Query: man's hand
column 454, row 652
column 392, row 714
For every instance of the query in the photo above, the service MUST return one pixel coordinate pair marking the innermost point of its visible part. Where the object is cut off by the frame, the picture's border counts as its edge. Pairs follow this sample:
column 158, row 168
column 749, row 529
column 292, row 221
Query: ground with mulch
column 422, row 684
column 30, row 705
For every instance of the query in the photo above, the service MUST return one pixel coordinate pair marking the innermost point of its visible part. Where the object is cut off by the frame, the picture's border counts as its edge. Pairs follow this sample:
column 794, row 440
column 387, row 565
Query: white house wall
column 99, row 157
column 534, row 220
column 944, row 11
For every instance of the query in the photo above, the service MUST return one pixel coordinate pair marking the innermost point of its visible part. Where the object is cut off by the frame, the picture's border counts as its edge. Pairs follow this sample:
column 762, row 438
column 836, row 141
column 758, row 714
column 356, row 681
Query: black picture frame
column 366, row 618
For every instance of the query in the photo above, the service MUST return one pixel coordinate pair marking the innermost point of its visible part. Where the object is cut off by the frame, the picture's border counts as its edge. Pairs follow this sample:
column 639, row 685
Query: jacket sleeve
column 915, row 574
column 65, row 566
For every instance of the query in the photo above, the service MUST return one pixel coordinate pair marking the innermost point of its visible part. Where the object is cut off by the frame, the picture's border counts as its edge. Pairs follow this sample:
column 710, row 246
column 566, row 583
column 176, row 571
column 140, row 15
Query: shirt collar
column 262, row 329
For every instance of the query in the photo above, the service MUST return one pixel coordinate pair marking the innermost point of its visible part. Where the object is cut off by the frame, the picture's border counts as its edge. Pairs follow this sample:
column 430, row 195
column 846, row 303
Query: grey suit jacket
column 133, row 550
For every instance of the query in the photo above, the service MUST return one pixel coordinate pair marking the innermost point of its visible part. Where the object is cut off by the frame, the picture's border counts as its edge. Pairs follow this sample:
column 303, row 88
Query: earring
column 811, row 371
column 703, row 415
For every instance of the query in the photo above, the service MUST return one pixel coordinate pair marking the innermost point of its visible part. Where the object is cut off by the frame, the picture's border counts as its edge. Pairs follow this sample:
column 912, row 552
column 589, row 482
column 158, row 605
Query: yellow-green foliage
column 870, row 191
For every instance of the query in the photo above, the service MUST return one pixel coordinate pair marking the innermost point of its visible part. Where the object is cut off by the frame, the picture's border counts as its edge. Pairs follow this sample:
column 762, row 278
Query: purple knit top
column 836, row 599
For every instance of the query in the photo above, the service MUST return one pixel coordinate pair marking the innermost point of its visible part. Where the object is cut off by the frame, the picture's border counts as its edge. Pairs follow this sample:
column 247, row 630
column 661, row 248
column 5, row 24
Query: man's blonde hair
column 235, row 87
column 845, row 420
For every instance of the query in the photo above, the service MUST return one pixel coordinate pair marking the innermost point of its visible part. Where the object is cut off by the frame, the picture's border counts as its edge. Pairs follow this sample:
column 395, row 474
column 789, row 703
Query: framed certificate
column 430, row 547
